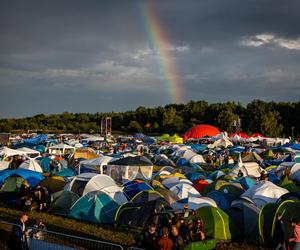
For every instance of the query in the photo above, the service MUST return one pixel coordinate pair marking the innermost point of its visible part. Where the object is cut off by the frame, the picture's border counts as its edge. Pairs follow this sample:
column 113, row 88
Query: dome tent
column 201, row 131
column 96, row 207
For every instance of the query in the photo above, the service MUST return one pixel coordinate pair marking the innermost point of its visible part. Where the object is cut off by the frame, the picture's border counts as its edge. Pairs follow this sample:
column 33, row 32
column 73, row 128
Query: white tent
column 31, row 165
column 223, row 142
column 264, row 192
column 251, row 169
column 173, row 181
column 8, row 152
column 295, row 172
column 61, row 149
column 195, row 203
column 29, row 152
column 94, row 165
column 79, row 182
column 105, row 184
column 184, row 190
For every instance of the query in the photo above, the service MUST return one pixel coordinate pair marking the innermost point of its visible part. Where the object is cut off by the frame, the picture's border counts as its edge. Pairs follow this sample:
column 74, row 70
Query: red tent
column 257, row 135
column 199, row 185
column 240, row 134
column 201, row 131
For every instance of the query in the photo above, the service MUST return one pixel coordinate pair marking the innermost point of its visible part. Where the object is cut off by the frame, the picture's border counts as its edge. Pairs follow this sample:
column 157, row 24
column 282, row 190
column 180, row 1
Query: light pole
column 292, row 133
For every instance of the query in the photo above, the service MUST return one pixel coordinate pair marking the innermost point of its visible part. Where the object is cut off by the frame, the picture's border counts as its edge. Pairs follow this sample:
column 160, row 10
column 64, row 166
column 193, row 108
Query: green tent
column 290, row 210
column 176, row 139
column 164, row 137
column 265, row 220
column 288, row 184
column 62, row 201
column 12, row 184
column 217, row 223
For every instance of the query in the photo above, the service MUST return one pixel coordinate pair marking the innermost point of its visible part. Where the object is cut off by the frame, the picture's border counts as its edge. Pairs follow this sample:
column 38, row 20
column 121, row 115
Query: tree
column 270, row 126
column 134, row 126
column 226, row 120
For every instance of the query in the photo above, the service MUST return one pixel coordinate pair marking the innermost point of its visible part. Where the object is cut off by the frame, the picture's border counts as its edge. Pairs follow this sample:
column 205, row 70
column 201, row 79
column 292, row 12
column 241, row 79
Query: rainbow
column 158, row 41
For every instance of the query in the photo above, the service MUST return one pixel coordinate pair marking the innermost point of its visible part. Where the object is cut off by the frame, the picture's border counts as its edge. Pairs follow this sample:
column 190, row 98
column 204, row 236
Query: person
column 24, row 193
column 38, row 232
column 296, row 237
column 165, row 243
column 279, row 233
column 41, row 197
column 240, row 173
column 198, row 231
column 150, row 237
column 20, row 233
column 178, row 243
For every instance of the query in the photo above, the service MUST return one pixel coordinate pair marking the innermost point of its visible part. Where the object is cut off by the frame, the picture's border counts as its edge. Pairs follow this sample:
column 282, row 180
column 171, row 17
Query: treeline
column 272, row 119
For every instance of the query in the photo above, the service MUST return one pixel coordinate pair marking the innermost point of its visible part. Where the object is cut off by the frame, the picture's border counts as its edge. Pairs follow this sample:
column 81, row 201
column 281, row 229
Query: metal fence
column 47, row 239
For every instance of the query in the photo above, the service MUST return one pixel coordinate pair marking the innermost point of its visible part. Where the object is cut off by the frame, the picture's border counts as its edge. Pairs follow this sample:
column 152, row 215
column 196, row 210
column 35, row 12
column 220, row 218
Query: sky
column 101, row 56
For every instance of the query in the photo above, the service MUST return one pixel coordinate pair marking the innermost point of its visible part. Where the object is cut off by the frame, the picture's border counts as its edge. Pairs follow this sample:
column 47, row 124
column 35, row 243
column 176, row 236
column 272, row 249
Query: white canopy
column 8, row 152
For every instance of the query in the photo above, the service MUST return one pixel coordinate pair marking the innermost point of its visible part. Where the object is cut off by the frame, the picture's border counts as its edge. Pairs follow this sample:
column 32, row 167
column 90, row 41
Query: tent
column 132, row 188
column 105, row 184
column 194, row 203
column 217, row 223
column 79, row 182
column 31, row 165
column 295, row 172
column 62, row 201
column 32, row 177
column 61, row 149
column 138, row 215
column 37, row 140
column 29, row 152
column 12, row 184
column 264, row 192
column 200, row 131
column 184, row 190
column 53, row 183
column 129, row 168
column 245, row 215
column 220, row 199
column 146, row 195
column 167, row 194
column 96, row 207
column 173, row 181
column 85, row 153
column 94, row 165
column 199, row 185
column 240, row 134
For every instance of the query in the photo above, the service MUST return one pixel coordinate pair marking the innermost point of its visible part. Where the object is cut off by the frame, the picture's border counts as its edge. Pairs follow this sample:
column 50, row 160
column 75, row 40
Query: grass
column 73, row 227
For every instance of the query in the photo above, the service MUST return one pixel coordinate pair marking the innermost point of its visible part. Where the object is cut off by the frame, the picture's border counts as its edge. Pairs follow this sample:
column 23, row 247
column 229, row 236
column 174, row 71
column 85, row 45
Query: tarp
column 37, row 140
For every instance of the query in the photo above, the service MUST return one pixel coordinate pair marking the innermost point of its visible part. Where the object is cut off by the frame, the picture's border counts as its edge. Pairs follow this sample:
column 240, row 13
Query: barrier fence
column 47, row 239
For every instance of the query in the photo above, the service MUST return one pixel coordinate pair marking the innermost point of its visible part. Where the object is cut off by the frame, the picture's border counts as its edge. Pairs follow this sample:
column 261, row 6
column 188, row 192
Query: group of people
column 21, row 233
column 174, row 236
column 33, row 198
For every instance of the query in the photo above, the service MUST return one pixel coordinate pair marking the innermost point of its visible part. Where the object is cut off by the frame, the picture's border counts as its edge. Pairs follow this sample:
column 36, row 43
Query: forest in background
column 272, row 119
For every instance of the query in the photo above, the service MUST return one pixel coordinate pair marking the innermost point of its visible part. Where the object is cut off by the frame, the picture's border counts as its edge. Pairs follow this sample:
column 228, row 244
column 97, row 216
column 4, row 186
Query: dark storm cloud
column 89, row 56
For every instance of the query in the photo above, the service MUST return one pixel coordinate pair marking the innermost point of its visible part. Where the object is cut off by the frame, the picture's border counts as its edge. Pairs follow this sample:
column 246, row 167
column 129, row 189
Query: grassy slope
column 73, row 227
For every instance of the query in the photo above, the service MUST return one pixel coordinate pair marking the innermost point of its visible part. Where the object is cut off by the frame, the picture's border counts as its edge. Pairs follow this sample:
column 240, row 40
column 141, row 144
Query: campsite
column 236, row 184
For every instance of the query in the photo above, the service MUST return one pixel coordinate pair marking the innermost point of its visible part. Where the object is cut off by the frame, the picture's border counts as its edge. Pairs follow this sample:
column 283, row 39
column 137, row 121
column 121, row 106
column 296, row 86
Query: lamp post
column 292, row 133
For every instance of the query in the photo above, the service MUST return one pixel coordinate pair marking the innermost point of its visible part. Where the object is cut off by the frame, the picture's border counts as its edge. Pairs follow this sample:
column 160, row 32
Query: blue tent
column 246, row 182
column 32, row 177
column 45, row 165
column 96, row 207
column 182, row 162
column 295, row 146
column 37, row 140
column 131, row 188
column 67, row 172
column 195, row 176
column 220, row 199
